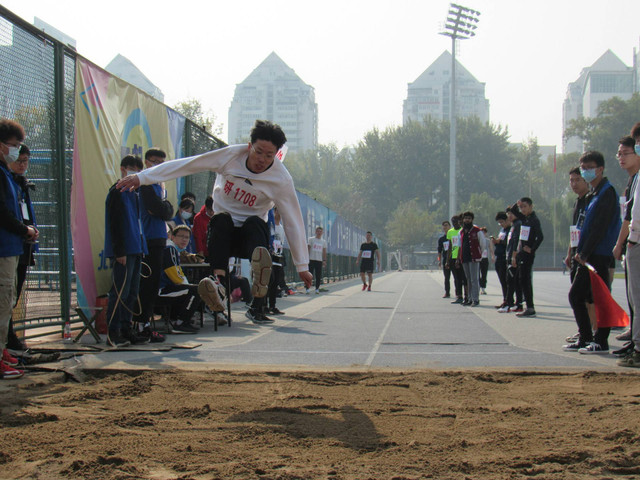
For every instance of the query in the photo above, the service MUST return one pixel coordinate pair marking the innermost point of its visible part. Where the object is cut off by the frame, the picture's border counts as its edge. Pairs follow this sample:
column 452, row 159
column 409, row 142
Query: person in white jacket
column 249, row 183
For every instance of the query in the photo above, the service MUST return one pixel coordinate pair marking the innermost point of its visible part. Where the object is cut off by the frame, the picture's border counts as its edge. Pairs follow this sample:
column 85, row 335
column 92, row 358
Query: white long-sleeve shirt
column 242, row 193
column 634, row 226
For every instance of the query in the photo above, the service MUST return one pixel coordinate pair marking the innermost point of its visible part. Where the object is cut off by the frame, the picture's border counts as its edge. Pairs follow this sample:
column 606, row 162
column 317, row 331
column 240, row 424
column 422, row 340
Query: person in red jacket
column 471, row 245
column 200, row 225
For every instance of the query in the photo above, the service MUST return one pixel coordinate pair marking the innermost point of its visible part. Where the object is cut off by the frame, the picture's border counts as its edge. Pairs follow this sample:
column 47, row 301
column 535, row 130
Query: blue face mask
column 637, row 149
column 589, row 175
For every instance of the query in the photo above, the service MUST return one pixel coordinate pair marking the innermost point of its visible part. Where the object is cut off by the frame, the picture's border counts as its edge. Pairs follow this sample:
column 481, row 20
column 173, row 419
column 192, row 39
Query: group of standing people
column 18, row 236
column 464, row 250
column 600, row 235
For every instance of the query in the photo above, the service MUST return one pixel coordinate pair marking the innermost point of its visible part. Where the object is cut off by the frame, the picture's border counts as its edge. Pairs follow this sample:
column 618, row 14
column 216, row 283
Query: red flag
column 608, row 312
column 554, row 160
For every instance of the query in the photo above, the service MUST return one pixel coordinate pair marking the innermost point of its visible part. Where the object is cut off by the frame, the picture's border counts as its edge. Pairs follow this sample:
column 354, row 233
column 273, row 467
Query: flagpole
column 555, row 201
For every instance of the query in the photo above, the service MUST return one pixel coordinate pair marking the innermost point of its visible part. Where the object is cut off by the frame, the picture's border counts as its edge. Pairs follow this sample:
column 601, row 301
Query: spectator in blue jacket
column 125, row 244
column 598, row 236
column 156, row 211
column 13, row 233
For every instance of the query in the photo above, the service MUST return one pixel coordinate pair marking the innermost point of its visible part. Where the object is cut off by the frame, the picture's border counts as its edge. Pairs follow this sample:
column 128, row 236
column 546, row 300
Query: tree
column 613, row 120
column 484, row 208
column 411, row 224
column 192, row 109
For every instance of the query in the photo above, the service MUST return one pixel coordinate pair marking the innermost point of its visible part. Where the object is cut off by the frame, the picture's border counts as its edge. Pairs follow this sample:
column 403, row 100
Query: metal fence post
column 63, row 204
column 188, row 148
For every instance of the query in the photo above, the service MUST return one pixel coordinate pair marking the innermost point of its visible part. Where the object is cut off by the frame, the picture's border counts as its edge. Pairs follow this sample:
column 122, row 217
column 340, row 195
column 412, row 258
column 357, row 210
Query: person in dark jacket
column 471, row 244
column 156, row 210
column 598, row 237
column 444, row 251
column 13, row 233
column 184, row 216
column 19, row 169
column 500, row 254
column 530, row 239
column 513, row 282
column 125, row 244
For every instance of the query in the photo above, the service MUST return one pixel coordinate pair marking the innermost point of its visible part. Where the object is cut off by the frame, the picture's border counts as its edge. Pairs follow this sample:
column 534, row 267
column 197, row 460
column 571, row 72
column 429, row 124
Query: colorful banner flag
column 112, row 119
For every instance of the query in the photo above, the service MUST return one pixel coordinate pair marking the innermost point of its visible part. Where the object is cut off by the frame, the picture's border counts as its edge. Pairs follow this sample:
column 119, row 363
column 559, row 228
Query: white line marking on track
column 376, row 346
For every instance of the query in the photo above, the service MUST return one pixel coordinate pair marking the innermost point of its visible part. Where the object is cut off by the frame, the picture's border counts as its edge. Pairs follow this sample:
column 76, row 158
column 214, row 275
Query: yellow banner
column 113, row 119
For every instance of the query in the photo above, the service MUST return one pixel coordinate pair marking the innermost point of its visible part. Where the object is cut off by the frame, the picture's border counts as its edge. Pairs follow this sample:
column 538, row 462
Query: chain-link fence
column 37, row 89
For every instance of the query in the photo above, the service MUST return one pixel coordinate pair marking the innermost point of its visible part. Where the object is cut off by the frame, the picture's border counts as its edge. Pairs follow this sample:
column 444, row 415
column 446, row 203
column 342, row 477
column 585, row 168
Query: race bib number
column 445, row 246
column 623, row 206
column 524, row 233
column 574, row 236
column 25, row 211
column 366, row 254
column 455, row 241
column 240, row 191
column 501, row 236
column 485, row 254
column 317, row 247
column 277, row 245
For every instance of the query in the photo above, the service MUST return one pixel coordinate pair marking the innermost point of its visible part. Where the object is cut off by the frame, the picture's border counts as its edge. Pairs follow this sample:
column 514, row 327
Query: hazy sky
column 359, row 55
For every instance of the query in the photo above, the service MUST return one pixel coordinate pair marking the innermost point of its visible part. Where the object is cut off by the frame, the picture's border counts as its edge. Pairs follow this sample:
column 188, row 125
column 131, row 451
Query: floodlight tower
column 461, row 24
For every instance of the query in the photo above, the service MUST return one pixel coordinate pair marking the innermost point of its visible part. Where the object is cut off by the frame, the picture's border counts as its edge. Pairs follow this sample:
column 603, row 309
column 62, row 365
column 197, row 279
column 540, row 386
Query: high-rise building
column 429, row 94
column 273, row 91
column 124, row 68
column 608, row 77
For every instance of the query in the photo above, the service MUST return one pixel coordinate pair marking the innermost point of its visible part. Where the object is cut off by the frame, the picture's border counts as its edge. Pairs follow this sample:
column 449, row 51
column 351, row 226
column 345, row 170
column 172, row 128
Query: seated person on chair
column 175, row 289
column 249, row 182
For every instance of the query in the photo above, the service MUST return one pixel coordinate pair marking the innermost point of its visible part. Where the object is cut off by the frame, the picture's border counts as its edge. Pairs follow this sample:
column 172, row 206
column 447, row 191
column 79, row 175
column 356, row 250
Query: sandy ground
column 294, row 424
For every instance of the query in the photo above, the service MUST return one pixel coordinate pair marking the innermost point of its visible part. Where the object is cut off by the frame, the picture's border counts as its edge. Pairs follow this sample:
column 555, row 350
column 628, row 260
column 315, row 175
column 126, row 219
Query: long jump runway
column 402, row 323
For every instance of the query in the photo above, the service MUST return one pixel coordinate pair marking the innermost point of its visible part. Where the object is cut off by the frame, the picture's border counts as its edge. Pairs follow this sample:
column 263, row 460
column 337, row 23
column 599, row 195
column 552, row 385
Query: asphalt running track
column 402, row 323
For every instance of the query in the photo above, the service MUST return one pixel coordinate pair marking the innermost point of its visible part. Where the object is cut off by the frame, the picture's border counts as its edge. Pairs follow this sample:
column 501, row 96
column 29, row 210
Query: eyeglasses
column 23, row 161
column 620, row 155
column 268, row 156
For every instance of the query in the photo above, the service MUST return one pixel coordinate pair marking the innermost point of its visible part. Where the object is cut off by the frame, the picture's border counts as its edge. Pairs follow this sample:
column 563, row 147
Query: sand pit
column 327, row 425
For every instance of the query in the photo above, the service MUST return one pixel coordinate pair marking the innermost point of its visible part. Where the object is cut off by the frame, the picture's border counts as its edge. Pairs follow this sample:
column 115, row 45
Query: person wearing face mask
column 13, row 233
column 125, row 244
column 184, row 216
column 200, row 226
column 632, row 356
column 598, row 237
column 19, row 170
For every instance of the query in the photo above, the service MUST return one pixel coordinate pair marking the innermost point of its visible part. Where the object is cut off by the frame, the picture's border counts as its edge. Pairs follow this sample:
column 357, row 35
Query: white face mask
column 185, row 215
column 131, row 172
column 13, row 154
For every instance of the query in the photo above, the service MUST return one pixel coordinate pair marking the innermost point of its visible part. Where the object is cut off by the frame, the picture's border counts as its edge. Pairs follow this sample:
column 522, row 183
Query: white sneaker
column 307, row 291
column 317, row 292
column 260, row 271
column 504, row 309
column 483, row 291
column 593, row 348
